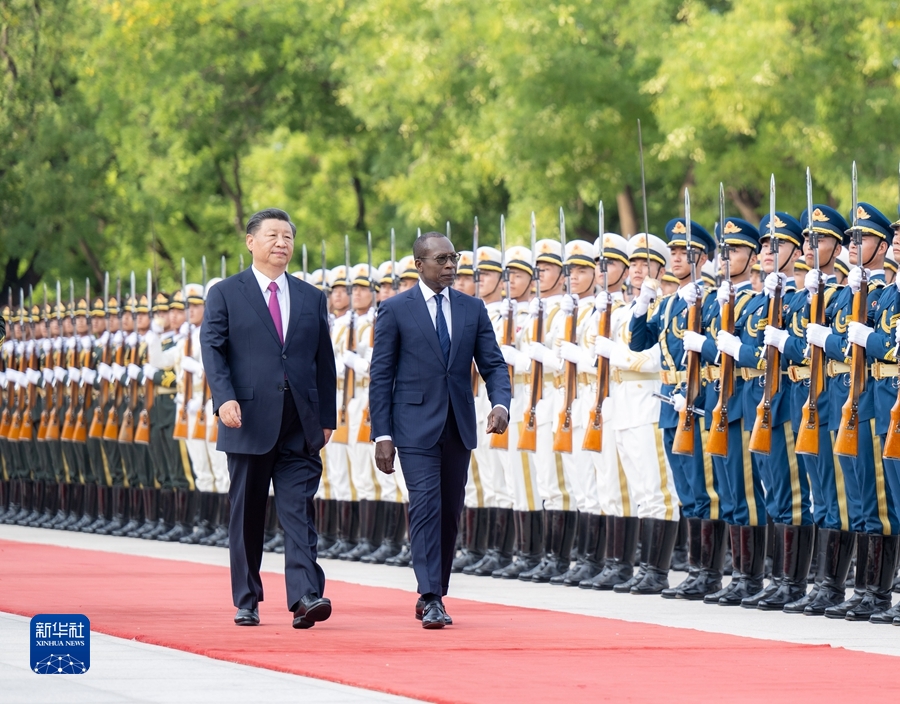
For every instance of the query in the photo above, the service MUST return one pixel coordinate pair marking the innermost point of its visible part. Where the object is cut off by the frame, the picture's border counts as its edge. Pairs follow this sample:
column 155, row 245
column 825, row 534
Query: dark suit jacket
column 410, row 384
column 245, row 362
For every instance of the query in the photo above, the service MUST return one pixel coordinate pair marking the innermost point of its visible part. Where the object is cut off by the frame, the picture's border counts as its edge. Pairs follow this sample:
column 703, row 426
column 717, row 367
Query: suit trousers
column 295, row 473
column 436, row 480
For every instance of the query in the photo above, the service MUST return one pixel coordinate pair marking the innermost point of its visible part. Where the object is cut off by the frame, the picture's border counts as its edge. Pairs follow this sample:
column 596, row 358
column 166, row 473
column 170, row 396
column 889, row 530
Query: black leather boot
column 63, row 492
column 530, row 536
column 776, row 545
column 478, row 524
column 798, row 547
column 593, row 556
column 37, row 506
column 133, row 499
column 693, row 548
column 89, row 508
column 51, row 503
column 150, row 502
column 836, row 549
column 393, row 535
column 326, row 524
column 270, row 526
column 12, row 509
column 368, row 521
column 404, row 557
column 752, row 552
column 348, row 533
column 662, row 535
column 4, row 498
column 621, row 543
column 817, row 576
column 224, row 542
column 578, row 548
column 166, row 515
column 546, row 534
column 562, row 537
column 489, row 540
column 277, row 540
column 859, row 581
column 203, row 520
column 117, row 495
column 712, row 559
column 179, row 524
column 500, row 555
column 642, row 548
column 734, row 539
column 879, row 578
column 26, row 495
column 214, row 509
column 104, row 504
column 76, row 507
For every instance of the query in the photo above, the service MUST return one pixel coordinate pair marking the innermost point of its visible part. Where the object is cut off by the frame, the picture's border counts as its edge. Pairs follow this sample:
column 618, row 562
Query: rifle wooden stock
column 500, row 441
column 562, row 439
column 683, row 444
column 79, row 434
column 341, row 434
column 5, row 423
column 180, row 431
column 892, row 442
column 200, row 429
column 111, row 429
column 846, row 442
column 142, row 432
column 528, row 436
column 126, row 430
column 53, row 430
column 593, row 434
column 26, row 430
column 15, row 426
column 213, row 434
column 95, row 431
column 365, row 427
column 761, row 436
column 717, row 443
column 42, row 425
column 808, row 433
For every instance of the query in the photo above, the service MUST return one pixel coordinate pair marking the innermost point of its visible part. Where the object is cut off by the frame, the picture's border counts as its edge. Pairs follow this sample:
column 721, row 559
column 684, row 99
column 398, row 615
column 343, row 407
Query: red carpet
column 494, row 653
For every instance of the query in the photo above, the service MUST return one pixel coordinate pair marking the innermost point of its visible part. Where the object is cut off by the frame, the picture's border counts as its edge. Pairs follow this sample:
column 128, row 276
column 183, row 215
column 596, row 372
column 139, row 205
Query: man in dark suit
column 420, row 400
column 268, row 358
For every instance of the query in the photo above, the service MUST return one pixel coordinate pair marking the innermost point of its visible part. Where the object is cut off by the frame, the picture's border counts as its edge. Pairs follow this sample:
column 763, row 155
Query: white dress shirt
column 284, row 298
column 431, row 303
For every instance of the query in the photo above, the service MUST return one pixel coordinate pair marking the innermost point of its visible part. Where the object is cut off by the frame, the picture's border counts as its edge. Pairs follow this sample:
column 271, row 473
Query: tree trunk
column 628, row 221
column 746, row 203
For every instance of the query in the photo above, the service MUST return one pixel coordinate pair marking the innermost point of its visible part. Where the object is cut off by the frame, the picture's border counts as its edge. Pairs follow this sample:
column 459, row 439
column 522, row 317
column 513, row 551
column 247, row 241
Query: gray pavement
column 128, row 672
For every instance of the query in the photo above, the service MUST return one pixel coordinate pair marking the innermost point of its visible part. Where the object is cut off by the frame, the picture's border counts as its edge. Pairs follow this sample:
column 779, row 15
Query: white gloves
column 86, row 342
column 118, row 338
column 46, row 345
column 604, row 347
column 771, row 283
column 104, row 371
column 897, row 335
column 533, row 307
column 693, row 341
column 149, row 372
column 118, row 371
column 59, row 374
column 132, row 339
column 185, row 329
column 817, row 334
column 728, row 344
column 48, row 376
column 8, row 346
column 854, row 278
column 156, row 326
column 678, row 402
column 74, row 375
column 567, row 304
column 601, row 302
column 775, row 337
column 538, row 352
column 858, row 333
column 509, row 354
column 355, row 363
column 33, row 376
column 151, row 337
column 103, row 339
column 647, row 295
column 369, row 317
column 29, row 347
column 507, row 308
column 88, row 376
column 689, row 293
column 811, row 282
column 71, row 343
column 57, row 343
column 575, row 354
column 134, row 371
column 191, row 365
column 723, row 294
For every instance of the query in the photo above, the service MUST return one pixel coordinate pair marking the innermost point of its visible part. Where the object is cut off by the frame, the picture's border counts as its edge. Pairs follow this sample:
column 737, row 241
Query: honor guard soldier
column 742, row 498
column 694, row 479
column 890, row 267
column 767, row 408
column 842, row 266
column 631, row 430
column 83, row 348
column 465, row 274
column 100, row 474
column 852, row 400
column 409, row 275
column 668, row 284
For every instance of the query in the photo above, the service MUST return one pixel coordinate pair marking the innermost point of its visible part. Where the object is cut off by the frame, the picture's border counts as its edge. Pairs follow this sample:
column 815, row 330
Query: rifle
column 16, row 426
column 761, row 437
column 562, row 440
column 892, row 442
column 717, row 443
column 365, row 425
column 341, row 434
column 79, row 435
column 305, row 259
column 6, row 417
column 846, row 442
column 53, row 429
column 48, row 389
column 142, row 432
column 200, row 430
column 26, row 431
column 474, row 373
column 96, row 429
column 111, row 429
column 501, row 441
column 683, row 443
column 180, row 432
column 808, row 434
column 593, row 435
column 68, row 428
column 528, row 436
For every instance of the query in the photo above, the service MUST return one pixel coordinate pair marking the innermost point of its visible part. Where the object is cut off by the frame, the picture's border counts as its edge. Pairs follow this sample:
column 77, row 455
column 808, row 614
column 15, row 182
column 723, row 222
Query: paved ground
column 128, row 671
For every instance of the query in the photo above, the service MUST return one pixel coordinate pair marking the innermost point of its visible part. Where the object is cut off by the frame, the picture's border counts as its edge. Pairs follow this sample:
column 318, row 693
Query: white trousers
column 646, row 466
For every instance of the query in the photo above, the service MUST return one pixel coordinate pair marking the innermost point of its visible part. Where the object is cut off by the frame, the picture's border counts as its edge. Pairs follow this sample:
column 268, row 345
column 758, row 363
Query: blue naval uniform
column 787, row 488
column 859, row 472
column 695, row 479
column 741, row 496
column 881, row 346
column 825, row 474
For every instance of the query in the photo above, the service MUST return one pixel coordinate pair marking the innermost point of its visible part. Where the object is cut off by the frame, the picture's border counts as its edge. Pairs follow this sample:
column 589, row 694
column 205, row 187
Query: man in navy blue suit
column 420, row 401
column 270, row 365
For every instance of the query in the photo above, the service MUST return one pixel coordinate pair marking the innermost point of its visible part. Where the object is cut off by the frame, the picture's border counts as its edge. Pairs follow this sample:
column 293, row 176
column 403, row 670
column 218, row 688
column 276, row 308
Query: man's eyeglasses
column 444, row 259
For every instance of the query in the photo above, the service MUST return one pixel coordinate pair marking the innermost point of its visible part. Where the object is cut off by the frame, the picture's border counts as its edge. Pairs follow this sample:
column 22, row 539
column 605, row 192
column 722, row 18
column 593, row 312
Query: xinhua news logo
column 60, row 644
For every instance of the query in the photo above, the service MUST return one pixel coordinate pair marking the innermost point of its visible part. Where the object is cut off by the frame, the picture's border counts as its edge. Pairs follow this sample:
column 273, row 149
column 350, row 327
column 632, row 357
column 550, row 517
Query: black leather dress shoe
column 434, row 616
column 247, row 617
column 420, row 612
column 310, row 609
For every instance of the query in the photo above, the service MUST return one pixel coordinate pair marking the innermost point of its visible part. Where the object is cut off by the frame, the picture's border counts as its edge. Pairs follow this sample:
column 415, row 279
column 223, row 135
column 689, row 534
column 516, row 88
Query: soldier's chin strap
column 875, row 254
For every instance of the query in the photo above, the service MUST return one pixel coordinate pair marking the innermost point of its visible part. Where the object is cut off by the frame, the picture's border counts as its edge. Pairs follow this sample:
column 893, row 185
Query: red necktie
column 275, row 310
